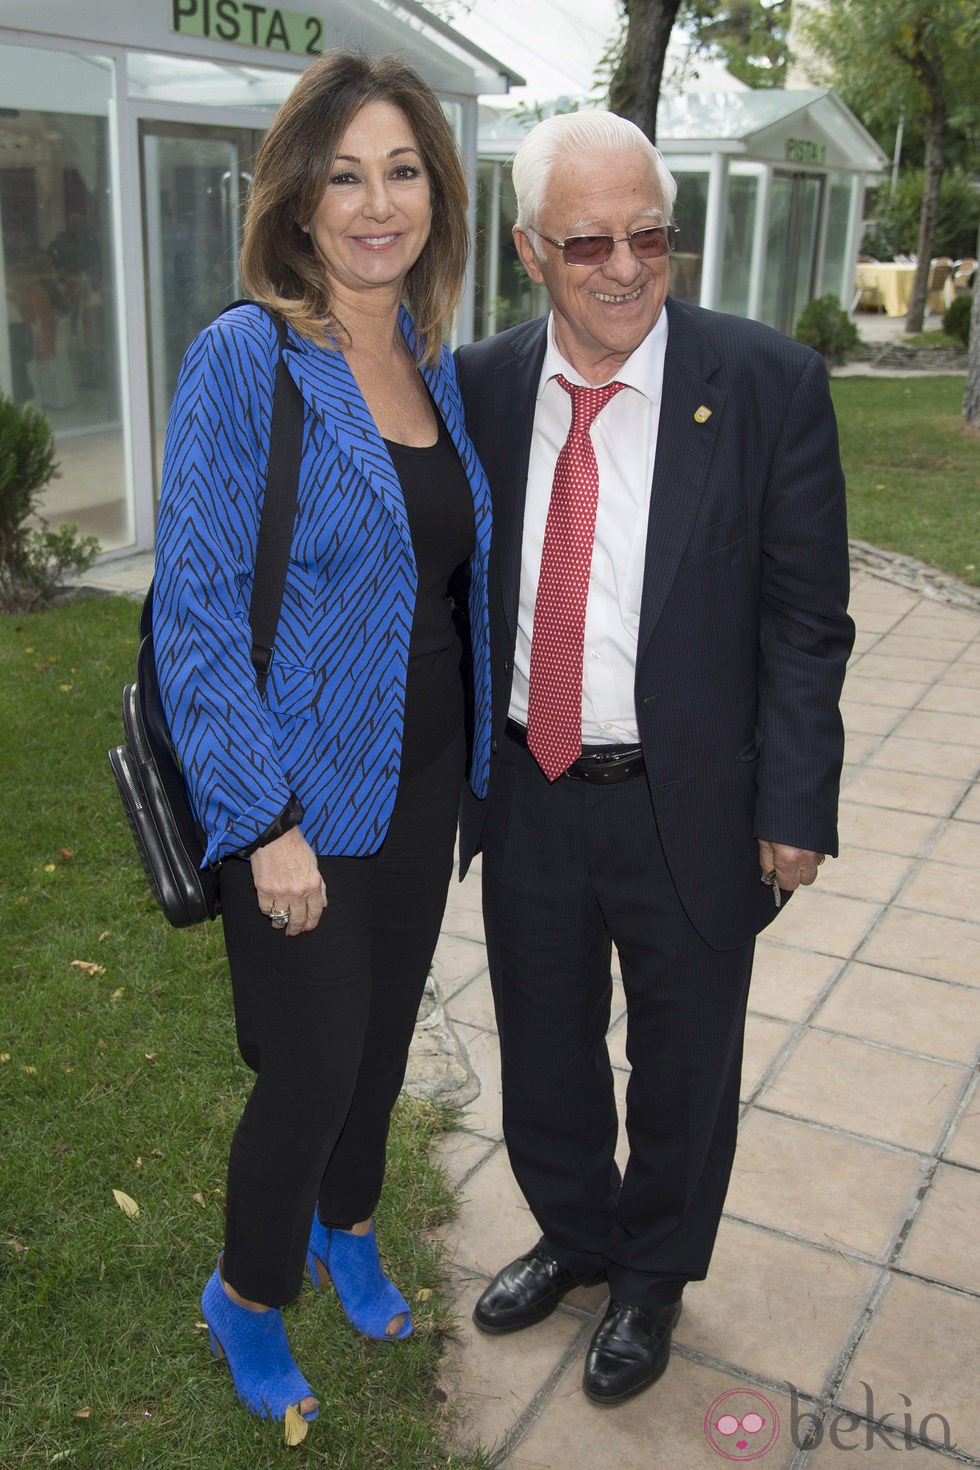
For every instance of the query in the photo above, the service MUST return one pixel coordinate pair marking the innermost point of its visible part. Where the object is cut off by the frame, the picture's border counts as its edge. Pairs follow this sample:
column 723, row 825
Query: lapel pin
column 702, row 415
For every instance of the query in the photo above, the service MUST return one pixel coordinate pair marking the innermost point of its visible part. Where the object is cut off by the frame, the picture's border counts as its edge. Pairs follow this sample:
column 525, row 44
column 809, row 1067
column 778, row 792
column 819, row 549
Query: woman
column 331, row 802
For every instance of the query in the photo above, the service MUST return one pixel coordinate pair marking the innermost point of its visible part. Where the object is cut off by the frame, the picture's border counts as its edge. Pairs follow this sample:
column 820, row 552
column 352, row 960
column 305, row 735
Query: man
column 666, row 726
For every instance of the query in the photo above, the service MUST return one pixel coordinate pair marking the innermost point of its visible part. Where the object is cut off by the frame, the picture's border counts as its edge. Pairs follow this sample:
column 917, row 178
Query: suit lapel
column 514, row 397
column 691, row 415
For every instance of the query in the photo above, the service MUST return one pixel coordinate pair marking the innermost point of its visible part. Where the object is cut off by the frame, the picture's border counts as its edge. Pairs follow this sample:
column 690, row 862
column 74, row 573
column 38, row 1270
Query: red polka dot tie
column 554, row 715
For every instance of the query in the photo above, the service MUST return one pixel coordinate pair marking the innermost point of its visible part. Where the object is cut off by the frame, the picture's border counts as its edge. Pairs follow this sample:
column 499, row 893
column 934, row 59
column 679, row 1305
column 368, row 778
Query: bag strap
column 275, row 536
column 278, row 514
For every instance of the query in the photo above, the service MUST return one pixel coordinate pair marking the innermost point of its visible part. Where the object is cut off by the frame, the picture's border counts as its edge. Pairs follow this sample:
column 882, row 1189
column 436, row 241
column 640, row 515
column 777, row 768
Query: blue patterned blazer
column 329, row 727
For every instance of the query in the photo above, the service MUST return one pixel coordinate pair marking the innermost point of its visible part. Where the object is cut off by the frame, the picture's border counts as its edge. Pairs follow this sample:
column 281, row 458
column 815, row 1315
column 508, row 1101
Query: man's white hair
column 577, row 133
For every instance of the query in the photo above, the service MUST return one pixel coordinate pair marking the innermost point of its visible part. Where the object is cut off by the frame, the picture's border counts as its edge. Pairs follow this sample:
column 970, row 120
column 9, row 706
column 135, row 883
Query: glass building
column 127, row 133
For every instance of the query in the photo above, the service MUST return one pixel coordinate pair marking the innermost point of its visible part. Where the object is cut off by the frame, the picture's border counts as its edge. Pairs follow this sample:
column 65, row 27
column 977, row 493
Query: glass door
column 195, row 180
column 791, row 248
column 59, row 286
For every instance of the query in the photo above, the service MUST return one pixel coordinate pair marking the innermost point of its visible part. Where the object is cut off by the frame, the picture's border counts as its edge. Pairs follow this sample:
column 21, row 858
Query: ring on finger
column 278, row 918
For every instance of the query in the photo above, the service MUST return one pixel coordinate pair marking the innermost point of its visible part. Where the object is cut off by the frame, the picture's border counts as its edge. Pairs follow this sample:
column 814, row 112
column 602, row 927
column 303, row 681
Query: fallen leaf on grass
column 82, row 1413
column 49, row 867
column 104, row 935
column 156, row 1153
column 119, row 992
column 423, row 1293
column 126, row 1203
column 295, row 1426
column 87, row 967
column 151, row 1056
column 16, row 1246
column 67, row 854
column 200, row 1200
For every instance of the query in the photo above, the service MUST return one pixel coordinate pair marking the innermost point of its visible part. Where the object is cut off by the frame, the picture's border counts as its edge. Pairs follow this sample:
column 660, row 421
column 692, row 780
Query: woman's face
column 374, row 216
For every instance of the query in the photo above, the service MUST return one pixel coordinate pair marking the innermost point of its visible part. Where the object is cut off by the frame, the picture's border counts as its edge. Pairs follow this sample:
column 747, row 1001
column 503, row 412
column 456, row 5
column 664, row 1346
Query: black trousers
column 568, row 870
column 325, row 1021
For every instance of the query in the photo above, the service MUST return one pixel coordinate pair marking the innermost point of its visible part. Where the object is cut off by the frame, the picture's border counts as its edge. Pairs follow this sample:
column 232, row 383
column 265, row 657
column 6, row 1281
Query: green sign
column 801, row 150
column 249, row 24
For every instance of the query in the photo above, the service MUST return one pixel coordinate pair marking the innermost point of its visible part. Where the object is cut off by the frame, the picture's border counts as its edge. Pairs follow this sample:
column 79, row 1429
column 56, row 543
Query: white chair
column 961, row 277
column 867, row 295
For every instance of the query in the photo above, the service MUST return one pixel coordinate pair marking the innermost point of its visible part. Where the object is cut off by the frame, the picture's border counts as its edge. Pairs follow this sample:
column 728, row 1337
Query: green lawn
column 913, row 469
column 118, row 1070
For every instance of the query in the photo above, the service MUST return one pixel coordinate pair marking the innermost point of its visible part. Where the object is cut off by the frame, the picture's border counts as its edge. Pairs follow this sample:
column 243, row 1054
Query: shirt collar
column 641, row 370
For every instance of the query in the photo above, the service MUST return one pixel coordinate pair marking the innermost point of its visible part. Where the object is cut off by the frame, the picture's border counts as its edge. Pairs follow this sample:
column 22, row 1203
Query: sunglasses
column 648, row 244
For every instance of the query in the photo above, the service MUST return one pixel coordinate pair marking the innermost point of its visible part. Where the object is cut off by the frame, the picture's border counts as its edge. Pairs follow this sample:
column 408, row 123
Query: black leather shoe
column 526, row 1291
column 628, row 1352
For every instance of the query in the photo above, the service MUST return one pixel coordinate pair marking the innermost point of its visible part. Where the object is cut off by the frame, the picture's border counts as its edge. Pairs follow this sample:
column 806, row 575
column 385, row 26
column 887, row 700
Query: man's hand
column 286, row 876
column 792, row 865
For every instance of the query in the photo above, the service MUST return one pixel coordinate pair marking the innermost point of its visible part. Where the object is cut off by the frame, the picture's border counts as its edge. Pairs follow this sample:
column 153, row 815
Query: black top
column 439, row 504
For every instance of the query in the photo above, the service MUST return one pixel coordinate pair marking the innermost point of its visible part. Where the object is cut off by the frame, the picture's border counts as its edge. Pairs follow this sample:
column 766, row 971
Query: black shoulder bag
column 146, row 766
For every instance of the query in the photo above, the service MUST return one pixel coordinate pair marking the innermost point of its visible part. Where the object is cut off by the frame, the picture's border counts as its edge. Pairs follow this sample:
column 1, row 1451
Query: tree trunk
column 634, row 90
column 935, row 127
column 971, row 396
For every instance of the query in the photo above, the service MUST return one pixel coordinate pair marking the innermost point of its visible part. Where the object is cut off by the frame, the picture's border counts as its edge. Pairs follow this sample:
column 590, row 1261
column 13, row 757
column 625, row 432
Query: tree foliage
column 883, row 59
column 894, row 217
column 749, row 37
column 916, row 56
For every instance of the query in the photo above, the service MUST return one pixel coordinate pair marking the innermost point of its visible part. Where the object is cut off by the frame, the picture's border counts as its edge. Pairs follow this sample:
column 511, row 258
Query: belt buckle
column 612, row 758
column 601, row 767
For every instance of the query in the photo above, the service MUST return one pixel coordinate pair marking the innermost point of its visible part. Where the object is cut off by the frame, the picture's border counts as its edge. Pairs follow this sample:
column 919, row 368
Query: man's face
column 602, row 312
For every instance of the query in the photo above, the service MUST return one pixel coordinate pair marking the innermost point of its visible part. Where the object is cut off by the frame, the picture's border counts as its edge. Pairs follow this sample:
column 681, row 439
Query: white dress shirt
column 624, row 437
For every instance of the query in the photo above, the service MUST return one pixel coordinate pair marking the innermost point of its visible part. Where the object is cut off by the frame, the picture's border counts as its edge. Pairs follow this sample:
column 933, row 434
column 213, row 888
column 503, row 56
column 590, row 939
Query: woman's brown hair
column 278, row 265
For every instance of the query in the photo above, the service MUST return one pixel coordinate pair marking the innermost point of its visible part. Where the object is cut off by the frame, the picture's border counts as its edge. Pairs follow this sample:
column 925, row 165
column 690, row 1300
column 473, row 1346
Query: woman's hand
column 286, row 876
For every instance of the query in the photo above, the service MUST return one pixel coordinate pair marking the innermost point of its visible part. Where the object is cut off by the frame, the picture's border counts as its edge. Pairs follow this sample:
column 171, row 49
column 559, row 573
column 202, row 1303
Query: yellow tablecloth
column 891, row 279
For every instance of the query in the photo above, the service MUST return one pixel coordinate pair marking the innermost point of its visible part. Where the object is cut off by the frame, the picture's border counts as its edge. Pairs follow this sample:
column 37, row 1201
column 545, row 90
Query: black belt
column 603, row 764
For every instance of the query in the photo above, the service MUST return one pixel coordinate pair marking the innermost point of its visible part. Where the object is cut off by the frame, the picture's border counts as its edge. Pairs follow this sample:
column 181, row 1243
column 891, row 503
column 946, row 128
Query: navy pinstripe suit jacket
column 329, row 728
column 744, row 634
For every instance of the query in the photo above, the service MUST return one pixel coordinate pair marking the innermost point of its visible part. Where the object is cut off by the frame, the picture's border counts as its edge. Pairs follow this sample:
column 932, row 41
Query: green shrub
column 824, row 326
column 34, row 560
column 894, row 222
column 956, row 318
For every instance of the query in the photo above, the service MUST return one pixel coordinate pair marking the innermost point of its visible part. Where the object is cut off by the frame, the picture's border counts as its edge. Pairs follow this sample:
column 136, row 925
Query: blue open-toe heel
column 265, row 1376
column 351, row 1262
